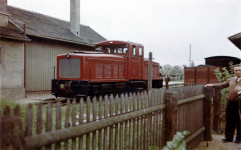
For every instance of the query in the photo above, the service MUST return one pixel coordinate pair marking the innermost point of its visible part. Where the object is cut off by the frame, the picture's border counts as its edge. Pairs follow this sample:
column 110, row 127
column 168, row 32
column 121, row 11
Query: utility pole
column 190, row 56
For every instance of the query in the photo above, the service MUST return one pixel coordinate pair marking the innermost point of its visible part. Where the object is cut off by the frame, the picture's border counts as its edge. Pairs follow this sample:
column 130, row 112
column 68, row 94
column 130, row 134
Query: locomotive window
column 108, row 50
column 125, row 50
column 100, row 49
column 140, row 51
column 133, row 51
column 111, row 49
column 120, row 50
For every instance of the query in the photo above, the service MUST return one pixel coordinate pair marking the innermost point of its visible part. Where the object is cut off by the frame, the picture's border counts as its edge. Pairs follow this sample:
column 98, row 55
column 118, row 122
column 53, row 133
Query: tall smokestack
column 75, row 17
column 3, row 13
column 3, row 5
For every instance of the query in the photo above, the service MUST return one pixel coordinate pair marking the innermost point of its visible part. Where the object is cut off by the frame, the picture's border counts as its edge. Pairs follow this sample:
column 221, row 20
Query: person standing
column 167, row 79
column 232, row 109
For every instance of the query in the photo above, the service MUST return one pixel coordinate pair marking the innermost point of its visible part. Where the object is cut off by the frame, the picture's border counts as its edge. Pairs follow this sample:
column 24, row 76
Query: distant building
column 29, row 44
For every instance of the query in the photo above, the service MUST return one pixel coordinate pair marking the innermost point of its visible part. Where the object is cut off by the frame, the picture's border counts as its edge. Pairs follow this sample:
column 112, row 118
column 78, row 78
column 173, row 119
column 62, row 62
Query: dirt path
column 217, row 144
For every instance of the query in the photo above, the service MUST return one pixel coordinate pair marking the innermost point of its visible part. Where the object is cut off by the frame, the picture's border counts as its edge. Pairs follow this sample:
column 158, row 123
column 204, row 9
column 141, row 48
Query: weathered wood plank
column 117, row 102
column 17, row 111
column 58, row 121
column 29, row 120
column 111, row 127
column 100, row 133
column 81, row 121
column 39, row 118
column 94, row 119
column 49, row 121
column 105, row 129
column 67, row 124
column 171, row 115
column 88, row 120
column 207, row 114
column 73, row 122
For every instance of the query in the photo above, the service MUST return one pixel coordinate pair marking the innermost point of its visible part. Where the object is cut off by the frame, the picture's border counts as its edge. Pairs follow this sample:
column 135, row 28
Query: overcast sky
column 164, row 27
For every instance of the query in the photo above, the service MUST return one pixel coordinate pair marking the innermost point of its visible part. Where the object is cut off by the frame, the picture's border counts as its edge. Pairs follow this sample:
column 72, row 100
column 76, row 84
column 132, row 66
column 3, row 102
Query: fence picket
column 67, row 124
column 49, row 121
column 111, row 127
column 17, row 111
column 126, row 123
column 94, row 119
column 88, row 120
column 121, row 124
column 81, row 120
column 105, row 116
column 116, row 125
column 58, row 121
column 29, row 118
column 7, row 111
column 134, row 122
column 74, row 122
column 100, row 132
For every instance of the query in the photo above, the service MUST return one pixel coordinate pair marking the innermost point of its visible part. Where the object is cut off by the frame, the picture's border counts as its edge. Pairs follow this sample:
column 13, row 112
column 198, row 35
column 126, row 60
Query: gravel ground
column 33, row 97
column 217, row 144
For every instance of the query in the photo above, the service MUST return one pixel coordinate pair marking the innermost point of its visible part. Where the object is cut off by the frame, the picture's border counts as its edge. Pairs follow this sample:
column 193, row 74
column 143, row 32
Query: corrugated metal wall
column 40, row 60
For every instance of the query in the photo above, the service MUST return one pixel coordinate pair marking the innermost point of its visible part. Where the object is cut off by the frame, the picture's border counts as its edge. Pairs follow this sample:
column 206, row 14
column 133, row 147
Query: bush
column 178, row 142
column 222, row 75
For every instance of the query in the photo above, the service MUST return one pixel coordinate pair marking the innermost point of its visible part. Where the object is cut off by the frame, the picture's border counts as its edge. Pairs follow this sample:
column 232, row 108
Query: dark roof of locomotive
column 44, row 26
column 236, row 40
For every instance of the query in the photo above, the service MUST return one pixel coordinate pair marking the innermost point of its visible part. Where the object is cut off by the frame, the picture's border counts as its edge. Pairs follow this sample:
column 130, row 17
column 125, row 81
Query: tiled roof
column 52, row 28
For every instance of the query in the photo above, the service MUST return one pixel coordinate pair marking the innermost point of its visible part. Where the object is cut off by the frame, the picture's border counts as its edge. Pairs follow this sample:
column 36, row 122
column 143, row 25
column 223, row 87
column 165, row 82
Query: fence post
column 150, row 72
column 170, row 115
column 216, row 109
column 12, row 133
column 207, row 113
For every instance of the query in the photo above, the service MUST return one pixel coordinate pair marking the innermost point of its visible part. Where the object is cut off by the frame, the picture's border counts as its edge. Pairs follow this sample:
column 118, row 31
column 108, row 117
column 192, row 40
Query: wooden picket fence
column 135, row 121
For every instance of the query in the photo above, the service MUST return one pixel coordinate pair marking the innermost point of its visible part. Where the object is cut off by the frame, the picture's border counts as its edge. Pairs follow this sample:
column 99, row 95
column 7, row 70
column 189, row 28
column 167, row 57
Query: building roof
column 223, row 57
column 40, row 25
column 11, row 33
column 236, row 40
column 9, row 30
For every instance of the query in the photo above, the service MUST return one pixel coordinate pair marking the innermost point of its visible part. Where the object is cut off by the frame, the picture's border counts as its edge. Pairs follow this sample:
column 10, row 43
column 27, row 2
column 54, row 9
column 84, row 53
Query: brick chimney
column 3, row 13
column 75, row 17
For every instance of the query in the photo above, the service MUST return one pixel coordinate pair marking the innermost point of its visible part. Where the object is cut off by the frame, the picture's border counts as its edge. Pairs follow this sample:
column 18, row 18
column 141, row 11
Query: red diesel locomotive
column 114, row 67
